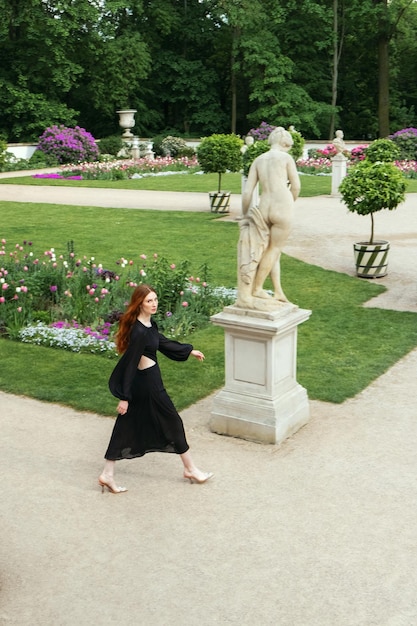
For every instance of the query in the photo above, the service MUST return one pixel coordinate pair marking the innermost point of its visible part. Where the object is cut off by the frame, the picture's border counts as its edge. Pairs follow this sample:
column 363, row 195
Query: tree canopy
column 203, row 66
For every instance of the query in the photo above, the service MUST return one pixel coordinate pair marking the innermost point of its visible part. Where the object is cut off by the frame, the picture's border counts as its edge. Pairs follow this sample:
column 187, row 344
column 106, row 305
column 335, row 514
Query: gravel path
column 319, row 531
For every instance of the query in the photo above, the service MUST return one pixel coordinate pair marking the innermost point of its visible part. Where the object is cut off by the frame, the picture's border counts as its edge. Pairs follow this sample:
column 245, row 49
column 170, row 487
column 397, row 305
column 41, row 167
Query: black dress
column 151, row 423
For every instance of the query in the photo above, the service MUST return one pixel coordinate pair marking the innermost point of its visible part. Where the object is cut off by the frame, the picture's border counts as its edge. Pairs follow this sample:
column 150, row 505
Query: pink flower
column 5, row 286
column 172, row 266
column 2, row 299
column 24, row 288
column 143, row 256
column 204, row 284
column 91, row 292
column 184, row 304
column 191, row 279
column 96, row 300
column 19, row 309
column 197, row 280
column 104, row 291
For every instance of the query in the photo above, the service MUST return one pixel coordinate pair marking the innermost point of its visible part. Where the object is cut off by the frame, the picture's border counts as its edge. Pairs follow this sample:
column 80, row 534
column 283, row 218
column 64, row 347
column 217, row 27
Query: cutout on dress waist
column 145, row 363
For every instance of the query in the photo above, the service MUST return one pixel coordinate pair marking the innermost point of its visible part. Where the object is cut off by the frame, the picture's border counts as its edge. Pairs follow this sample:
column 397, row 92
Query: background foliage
column 203, row 66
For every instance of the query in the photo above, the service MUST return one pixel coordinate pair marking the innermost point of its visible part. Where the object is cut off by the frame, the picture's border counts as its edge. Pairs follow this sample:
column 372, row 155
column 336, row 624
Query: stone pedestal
column 261, row 400
column 339, row 162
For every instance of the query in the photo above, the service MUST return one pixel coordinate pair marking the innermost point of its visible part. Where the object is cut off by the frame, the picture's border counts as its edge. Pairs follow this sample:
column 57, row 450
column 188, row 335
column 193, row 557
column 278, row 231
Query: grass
column 341, row 349
column 310, row 185
column 80, row 380
column 203, row 183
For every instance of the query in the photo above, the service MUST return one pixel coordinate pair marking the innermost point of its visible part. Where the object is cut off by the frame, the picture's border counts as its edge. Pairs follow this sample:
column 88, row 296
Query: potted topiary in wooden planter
column 370, row 186
column 218, row 154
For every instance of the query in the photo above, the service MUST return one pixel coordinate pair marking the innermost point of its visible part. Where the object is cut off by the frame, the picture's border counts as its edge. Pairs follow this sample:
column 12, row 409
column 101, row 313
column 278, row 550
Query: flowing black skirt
column 151, row 423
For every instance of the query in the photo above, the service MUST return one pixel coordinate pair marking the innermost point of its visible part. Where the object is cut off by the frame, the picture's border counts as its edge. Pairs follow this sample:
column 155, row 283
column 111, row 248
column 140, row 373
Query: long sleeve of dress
column 121, row 379
column 174, row 350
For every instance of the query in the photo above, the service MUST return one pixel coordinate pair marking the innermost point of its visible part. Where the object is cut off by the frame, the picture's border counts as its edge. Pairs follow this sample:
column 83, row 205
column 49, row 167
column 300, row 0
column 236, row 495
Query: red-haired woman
column 147, row 420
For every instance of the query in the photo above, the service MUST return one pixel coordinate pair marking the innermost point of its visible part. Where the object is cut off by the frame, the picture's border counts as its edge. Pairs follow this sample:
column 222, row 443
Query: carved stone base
column 261, row 400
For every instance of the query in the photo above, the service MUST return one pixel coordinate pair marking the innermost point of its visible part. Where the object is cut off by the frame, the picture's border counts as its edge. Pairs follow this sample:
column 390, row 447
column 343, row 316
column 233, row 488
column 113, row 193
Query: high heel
column 199, row 481
column 110, row 487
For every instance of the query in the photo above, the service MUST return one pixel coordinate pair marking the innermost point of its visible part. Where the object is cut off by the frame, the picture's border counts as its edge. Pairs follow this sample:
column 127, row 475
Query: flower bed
column 128, row 168
column 85, row 299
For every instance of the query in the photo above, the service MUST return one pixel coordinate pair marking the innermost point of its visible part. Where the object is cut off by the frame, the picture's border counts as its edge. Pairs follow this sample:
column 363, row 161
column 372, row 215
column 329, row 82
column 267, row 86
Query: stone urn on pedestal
column 127, row 121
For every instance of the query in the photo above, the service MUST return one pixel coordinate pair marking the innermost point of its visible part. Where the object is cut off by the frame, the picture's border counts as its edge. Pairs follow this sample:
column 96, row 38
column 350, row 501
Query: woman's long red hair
column 129, row 317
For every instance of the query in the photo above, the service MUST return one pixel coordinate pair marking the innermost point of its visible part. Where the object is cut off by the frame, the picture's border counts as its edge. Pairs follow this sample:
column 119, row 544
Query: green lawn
column 310, row 185
column 341, row 349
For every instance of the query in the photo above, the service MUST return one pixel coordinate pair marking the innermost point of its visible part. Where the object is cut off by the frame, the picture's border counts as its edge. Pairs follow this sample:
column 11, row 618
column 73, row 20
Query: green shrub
column 253, row 151
column 110, row 145
column 382, row 150
column 40, row 159
column 298, row 146
column 171, row 146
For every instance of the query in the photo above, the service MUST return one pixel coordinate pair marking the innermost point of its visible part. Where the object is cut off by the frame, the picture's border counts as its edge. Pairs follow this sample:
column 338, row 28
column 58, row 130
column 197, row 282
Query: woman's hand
column 198, row 355
column 122, row 407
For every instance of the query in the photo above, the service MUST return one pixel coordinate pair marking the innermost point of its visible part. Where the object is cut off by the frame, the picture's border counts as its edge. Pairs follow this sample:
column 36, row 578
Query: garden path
column 319, row 531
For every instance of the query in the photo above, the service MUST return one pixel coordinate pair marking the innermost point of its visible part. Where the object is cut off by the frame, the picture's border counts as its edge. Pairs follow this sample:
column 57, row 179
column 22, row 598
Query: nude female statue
column 265, row 229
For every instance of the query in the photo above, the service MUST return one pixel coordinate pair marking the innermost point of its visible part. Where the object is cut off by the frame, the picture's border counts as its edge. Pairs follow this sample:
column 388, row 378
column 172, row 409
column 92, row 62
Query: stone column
column 339, row 162
column 261, row 400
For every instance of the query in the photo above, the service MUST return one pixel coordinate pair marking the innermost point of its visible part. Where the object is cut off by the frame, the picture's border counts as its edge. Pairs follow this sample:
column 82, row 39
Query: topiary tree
column 219, row 154
column 382, row 150
column 372, row 186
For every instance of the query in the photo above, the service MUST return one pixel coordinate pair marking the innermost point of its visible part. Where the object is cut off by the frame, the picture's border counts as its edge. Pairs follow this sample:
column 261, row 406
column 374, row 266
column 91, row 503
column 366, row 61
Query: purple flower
column 53, row 288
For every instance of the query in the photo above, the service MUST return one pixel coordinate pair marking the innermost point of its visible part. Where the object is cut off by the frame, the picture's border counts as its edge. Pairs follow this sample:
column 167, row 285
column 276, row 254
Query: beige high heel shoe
column 111, row 488
column 199, row 481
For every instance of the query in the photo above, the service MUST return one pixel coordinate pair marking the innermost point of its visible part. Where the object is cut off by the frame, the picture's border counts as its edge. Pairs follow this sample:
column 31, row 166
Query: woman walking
column 147, row 420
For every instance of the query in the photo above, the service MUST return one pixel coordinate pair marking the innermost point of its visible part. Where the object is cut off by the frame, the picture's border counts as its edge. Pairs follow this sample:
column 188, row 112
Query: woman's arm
column 121, row 379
